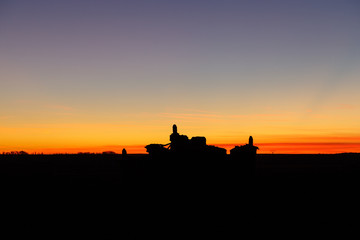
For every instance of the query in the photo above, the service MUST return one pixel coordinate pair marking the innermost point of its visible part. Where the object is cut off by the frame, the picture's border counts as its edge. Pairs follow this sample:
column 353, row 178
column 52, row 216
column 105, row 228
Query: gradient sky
column 93, row 75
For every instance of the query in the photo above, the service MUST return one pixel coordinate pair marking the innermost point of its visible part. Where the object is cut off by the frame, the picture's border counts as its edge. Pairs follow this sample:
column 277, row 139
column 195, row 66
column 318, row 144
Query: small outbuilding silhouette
column 124, row 153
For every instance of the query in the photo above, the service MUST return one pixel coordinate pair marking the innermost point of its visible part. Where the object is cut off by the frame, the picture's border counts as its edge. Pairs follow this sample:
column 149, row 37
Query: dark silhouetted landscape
column 184, row 180
column 113, row 170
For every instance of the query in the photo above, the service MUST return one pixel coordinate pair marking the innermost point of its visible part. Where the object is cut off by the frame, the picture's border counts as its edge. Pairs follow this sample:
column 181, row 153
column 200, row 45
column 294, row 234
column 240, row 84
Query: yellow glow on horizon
column 274, row 132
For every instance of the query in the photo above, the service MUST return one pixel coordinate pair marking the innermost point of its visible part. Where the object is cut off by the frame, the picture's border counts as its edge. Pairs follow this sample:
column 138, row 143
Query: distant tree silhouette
column 16, row 153
column 108, row 152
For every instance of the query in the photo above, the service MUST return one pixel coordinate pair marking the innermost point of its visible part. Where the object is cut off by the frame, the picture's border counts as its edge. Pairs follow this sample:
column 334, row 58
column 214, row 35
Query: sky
column 96, row 75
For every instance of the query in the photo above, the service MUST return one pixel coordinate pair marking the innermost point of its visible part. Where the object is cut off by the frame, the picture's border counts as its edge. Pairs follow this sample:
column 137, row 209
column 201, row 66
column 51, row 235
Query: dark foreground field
column 139, row 169
column 282, row 189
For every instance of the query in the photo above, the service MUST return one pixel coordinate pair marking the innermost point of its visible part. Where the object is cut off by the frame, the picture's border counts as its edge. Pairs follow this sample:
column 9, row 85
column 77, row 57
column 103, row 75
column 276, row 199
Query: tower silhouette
column 251, row 141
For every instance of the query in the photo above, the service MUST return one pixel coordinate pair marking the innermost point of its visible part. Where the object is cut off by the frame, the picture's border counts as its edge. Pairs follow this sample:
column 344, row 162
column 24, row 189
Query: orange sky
column 270, row 136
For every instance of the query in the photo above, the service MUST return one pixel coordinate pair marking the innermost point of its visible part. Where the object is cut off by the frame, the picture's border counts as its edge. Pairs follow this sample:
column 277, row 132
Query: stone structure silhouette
column 247, row 156
column 178, row 142
column 180, row 145
column 247, row 149
column 195, row 158
column 175, row 129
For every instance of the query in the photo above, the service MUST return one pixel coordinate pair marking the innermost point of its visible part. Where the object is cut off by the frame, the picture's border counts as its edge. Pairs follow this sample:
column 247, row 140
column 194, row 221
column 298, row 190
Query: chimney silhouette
column 251, row 141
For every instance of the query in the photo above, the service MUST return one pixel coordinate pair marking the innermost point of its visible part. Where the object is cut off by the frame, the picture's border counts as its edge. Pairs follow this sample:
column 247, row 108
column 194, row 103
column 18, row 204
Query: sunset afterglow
column 94, row 76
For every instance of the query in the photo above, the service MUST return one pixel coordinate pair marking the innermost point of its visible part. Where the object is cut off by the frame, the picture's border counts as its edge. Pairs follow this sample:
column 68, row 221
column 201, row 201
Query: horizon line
column 264, row 148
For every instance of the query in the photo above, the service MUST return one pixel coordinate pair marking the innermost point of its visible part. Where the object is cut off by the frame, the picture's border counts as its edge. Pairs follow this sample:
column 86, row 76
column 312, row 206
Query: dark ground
column 299, row 190
column 116, row 170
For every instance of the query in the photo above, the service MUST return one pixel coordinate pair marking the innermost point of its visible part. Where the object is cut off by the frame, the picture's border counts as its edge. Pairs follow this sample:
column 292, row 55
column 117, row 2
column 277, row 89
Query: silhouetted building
column 198, row 141
column 178, row 142
column 247, row 149
column 245, row 156
column 180, row 145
